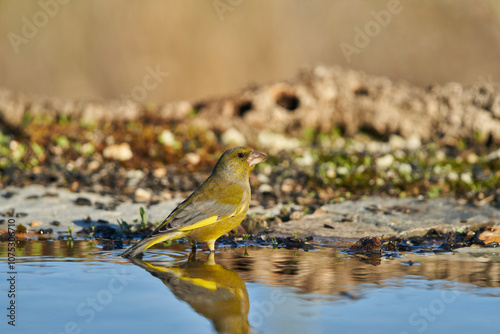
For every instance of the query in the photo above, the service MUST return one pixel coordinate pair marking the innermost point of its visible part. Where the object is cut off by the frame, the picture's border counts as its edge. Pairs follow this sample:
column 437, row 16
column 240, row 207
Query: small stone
column 32, row 197
column 466, row 177
column 263, row 178
column 342, row 170
column 495, row 155
column 385, row 161
column 142, row 195
column 36, row 224
column 8, row 194
column 55, row 223
column 93, row 165
column 265, row 188
column 472, row 158
column 328, row 226
column 413, row 142
column 21, row 214
column 160, row 172
column 277, row 142
column 167, row 138
column 397, row 142
column 366, row 245
column 405, row 168
column 119, row 152
column 166, row 195
column 193, row 158
column 233, row 137
column 296, row 215
column 82, row 201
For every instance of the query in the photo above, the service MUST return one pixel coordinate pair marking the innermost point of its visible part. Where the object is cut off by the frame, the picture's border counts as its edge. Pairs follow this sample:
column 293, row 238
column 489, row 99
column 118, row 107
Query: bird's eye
column 240, row 155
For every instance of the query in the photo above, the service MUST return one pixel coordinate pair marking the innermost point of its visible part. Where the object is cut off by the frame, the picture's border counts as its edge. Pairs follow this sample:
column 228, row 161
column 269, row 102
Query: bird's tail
column 147, row 242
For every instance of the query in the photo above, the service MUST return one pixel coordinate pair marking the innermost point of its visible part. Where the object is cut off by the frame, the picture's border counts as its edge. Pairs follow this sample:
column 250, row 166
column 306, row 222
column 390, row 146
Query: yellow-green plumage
column 215, row 208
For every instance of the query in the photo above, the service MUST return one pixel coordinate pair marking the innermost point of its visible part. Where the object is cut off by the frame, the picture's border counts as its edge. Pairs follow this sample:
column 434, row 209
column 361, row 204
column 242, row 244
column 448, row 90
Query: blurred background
column 106, row 49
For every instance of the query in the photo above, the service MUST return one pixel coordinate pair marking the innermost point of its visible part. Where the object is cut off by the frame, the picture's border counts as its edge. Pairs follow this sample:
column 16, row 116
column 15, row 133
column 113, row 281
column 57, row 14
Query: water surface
column 76, row 287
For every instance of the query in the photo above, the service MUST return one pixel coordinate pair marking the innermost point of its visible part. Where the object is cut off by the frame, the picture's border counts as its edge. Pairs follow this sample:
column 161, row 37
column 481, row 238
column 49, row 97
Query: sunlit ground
column 65, row 287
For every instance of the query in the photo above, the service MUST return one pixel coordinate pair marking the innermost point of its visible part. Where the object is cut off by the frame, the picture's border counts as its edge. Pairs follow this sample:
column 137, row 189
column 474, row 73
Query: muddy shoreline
column 52, row 210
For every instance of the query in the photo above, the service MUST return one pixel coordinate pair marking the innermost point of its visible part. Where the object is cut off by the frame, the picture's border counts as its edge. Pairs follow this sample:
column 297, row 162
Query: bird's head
column 238, row 161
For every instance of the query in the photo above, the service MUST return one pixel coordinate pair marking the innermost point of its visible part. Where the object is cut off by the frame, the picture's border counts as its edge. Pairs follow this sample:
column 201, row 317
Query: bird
column 216, row 207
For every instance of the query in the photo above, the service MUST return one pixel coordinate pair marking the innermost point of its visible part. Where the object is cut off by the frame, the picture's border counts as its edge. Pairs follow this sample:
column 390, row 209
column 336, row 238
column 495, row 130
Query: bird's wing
column 191, row 214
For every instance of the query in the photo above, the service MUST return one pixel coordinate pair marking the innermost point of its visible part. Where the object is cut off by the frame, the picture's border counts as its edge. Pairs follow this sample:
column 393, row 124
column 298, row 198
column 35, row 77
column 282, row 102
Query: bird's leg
column 192, row 257
column 211, row 258
column 211, row 246
column 193, row 245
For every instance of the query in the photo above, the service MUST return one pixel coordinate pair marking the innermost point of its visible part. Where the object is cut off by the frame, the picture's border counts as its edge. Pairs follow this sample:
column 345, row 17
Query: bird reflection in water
column 217, row 293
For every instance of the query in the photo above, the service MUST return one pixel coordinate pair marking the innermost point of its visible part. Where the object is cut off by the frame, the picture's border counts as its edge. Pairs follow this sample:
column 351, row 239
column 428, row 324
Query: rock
column 491, row 235
column 233, row 137
column 385, row 161
column 121, row 152
column 160, row 172
column 141, row 195
column 192, row 158
column 167, row 138
column 265, row 188
column 275, row 142
column 366, row 245
column 495, row 155
column 93, row 165
column 82, row 201
column 36, row 224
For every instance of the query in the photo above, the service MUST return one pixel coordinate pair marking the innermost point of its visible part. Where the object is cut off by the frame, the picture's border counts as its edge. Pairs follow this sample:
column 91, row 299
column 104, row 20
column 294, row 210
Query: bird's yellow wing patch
column 210, row 285
column 201, row 223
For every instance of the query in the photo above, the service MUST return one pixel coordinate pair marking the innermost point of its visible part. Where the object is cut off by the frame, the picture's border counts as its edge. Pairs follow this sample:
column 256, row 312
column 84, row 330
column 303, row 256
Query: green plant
column 124, row 226
column 70, row 231
column 144, row 218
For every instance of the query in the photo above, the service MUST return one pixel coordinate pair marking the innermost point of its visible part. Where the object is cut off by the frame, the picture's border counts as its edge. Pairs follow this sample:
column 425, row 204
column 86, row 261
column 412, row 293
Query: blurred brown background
column 103, row 49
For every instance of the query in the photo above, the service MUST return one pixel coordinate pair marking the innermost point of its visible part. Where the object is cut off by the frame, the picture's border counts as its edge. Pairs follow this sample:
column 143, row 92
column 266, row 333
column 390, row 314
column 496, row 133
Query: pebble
column 265, row 188
column 142, row 195
column 466, row 177
column 233, row 137
column 276, row 142
column 193, row 158
column 119, row 152
column 93, row 165
column 36, row 224
column 8, row 194
column 160, row 172
column 385, row 161
column 167, row 138
column 413, row 142
column 82, row 201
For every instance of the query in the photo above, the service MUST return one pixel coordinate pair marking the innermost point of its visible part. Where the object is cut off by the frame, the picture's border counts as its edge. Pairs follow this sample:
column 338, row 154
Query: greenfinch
column 215, row 208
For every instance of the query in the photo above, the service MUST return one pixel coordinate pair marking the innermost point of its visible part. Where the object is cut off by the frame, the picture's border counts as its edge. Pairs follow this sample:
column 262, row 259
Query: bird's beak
column 255, row 157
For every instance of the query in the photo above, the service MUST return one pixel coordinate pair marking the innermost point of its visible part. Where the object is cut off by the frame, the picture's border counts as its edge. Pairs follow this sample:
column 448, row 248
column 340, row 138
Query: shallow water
column 64, row 287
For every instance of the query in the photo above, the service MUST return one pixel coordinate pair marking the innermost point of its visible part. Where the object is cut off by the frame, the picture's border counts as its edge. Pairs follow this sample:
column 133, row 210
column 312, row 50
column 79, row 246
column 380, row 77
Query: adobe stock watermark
column 150, row 82
column 225, row 6
column 89, row 308
column 31, row 26
column 265, row 309
column 421, row 318
column 486, row 81
column 363, row 37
